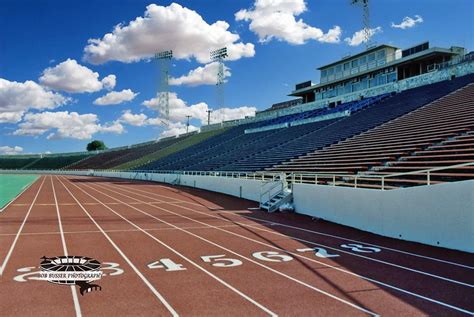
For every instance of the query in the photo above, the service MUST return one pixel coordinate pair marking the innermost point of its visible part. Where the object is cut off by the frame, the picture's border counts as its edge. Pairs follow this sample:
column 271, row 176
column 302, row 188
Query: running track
column 180, row 251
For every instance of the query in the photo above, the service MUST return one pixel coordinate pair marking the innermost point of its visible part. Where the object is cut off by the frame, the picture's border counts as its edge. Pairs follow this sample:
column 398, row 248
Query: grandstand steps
column 170, row 150
column 405, row 141
column 16, row 162
column 77, row 162
column 31, row 163
column 274, row 204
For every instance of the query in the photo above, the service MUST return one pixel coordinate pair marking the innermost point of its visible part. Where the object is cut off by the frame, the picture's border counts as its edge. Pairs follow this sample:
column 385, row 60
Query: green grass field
column 12, row 185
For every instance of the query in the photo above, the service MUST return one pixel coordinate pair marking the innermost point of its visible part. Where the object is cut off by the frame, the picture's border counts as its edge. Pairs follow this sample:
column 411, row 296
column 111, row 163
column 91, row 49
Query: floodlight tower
column 164, row 59
column 218, row 56
column 366, row 19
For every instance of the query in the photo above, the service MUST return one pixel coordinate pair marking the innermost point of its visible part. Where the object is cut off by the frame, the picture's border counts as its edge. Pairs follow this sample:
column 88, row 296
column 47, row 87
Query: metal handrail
column 292, row 177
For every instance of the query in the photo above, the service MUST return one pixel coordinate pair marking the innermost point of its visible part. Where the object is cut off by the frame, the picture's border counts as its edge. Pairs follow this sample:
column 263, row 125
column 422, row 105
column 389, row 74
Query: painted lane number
column 360, row 248
column 319, row 252
column 166, row 264
column 272, row 256
column 220, row 261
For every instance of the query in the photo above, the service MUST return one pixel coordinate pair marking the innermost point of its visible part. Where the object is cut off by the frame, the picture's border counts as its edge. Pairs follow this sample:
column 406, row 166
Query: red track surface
column 128, row 225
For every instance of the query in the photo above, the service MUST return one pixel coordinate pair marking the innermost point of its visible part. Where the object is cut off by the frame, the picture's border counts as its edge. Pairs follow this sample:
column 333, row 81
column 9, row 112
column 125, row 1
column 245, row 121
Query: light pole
column 218, row 56
column 163, row 92
column 209, row 111
column 187, row 123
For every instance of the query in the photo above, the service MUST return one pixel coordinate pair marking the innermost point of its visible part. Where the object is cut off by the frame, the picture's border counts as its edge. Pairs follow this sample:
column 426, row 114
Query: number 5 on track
column 220, row 261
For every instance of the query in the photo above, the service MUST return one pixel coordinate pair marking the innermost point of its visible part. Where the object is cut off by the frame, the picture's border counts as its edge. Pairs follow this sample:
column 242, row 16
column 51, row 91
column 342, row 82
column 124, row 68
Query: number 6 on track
column 272, row 256
column 220, row 261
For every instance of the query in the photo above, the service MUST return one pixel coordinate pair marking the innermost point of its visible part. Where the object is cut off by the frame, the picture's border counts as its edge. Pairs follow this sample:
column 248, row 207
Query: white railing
column 273, row 188
column 321, row 178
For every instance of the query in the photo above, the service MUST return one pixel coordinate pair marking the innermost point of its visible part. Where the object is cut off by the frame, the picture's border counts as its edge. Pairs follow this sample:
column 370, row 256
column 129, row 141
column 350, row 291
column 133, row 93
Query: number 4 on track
column 166, row 264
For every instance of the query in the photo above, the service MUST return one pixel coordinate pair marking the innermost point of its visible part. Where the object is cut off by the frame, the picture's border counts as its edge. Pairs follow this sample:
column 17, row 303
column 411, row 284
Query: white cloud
column 16, row 98
column 179, row 110
column 408, row 22
column 8, row 150
column 109, row 82
column 65, row 125
column 206, row 75
column 137, row 120
column 177, row 128
column 170, row 129
column 271, row 19
column 71, row 77
column 166, row 28
column 359, row 36
column 11, row 117
column 115, row 97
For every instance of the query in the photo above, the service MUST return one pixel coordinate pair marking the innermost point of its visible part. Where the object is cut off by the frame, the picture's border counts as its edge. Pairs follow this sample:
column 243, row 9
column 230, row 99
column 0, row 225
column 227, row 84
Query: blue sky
column 47, row 62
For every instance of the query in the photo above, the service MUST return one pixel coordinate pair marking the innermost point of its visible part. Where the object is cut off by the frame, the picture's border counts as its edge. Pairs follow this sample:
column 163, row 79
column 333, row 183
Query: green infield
column 12, row 185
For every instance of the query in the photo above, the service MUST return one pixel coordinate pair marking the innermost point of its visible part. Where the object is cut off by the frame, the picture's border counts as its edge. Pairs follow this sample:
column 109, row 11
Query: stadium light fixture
column 366, row 19
column 209, row 111
column 218, row 56
column 164, row 59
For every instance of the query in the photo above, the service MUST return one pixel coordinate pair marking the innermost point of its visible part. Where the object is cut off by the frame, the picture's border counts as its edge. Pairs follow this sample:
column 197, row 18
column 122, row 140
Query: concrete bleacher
column 57, row 161
column 349, row 107
column 368, row 118
column 41, row 161
column 438, row 134
column 16, row 162
column 112, row 158
column 235, row 145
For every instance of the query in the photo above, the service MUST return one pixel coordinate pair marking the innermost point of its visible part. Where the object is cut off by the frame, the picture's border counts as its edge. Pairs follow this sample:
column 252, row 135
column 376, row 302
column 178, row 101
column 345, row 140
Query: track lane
column 439, row 256
column 43, row 298
column 77, row 306
column 123, row 294
column 255, row 271
column 196, row 292
column 433, row 291
column 443, row 269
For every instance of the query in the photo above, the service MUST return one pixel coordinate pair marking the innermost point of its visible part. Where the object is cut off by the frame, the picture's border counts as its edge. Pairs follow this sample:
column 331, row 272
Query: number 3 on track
column 360, row 248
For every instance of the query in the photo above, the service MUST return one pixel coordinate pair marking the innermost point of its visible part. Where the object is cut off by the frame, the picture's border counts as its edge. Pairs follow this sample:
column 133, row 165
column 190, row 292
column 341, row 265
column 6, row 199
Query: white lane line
column 75, row 299
column 18, row 196
column 144, row 279
column 309, row 259
column 111, row 230
column 235, row 253
column 332, row 248
column 248, row 298
column 315, row 232
column 10, row 251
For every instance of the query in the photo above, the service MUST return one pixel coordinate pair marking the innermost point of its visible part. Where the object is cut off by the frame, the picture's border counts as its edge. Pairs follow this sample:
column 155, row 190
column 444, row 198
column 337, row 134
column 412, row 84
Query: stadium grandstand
column 237, row 158
column 379, row 112
column 385, row 118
